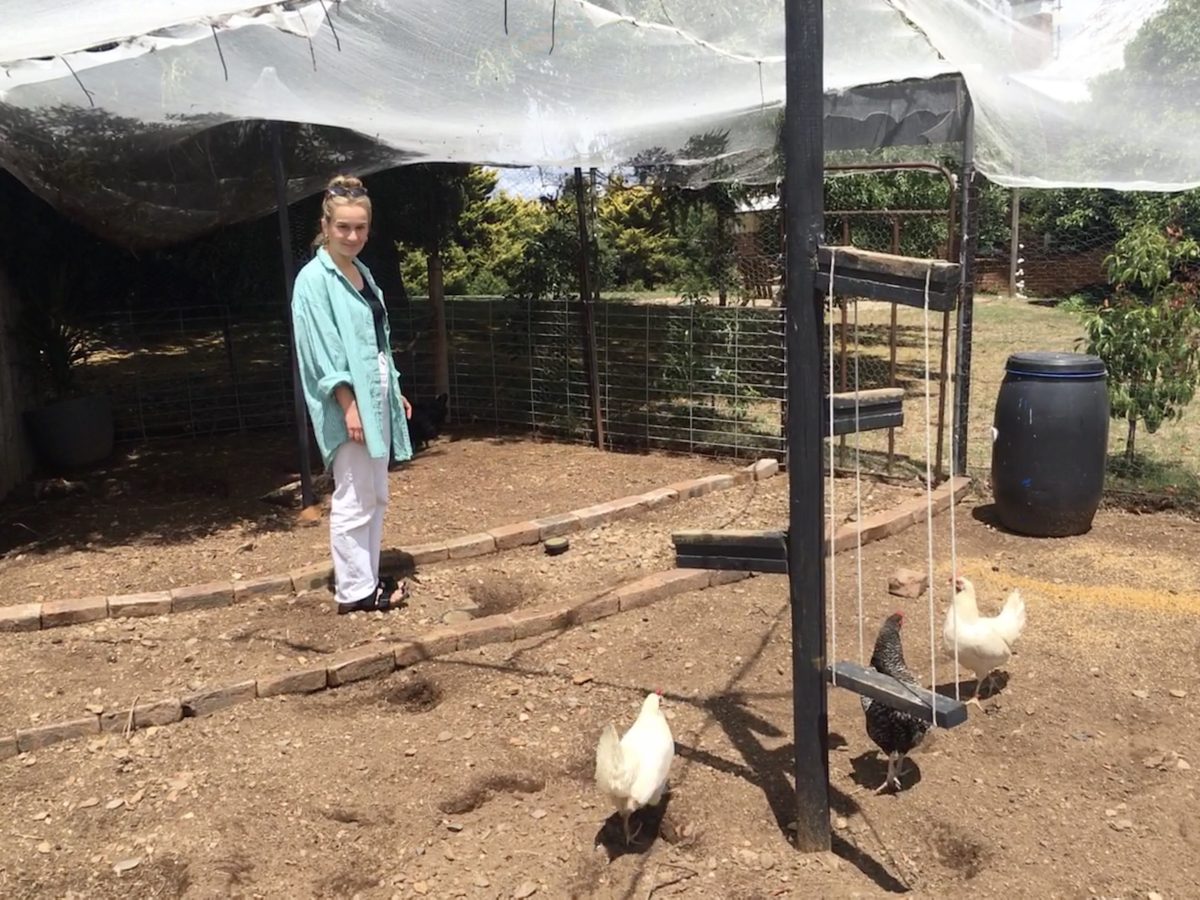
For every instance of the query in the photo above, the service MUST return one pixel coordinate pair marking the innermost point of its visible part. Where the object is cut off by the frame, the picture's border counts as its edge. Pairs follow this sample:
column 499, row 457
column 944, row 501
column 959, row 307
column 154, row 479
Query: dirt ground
column 471, row 775
column 172, row 514
column 56, row 674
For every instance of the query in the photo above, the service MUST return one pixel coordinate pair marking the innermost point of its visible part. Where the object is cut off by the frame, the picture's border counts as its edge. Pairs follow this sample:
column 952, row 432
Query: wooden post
column 307, row 498
column 895, row 249
column 1014, row 242
column 969, row 225
column 590, row 363
column 803, row 142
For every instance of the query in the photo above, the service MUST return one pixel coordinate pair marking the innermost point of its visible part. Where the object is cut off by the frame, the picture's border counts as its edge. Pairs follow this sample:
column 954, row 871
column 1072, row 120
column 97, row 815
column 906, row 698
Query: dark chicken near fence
column 428, row 419
column 896, row 733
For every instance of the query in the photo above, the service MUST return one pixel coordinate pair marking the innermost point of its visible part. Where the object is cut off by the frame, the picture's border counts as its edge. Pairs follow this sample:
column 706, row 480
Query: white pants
column 360, row 497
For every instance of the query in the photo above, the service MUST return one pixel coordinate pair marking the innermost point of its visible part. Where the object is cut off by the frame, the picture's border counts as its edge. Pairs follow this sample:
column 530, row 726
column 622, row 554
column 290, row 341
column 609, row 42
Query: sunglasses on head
column 350, row 192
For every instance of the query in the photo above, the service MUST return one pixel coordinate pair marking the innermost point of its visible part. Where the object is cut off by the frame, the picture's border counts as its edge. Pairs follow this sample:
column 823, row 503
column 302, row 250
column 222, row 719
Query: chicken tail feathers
column 1011, row 621
column 612, row 776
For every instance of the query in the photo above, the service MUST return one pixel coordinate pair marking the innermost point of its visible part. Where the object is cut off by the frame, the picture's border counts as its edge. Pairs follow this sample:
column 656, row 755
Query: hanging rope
column 858, row 512
column 929, row 506
column 832, row 531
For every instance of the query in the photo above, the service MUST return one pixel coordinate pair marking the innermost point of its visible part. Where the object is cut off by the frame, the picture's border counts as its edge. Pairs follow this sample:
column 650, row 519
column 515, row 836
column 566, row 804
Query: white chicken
column 985, row 643
column 633, row 771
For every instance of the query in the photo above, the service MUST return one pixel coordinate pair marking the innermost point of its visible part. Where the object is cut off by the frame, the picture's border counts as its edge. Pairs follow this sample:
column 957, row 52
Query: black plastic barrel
column 1050, row 443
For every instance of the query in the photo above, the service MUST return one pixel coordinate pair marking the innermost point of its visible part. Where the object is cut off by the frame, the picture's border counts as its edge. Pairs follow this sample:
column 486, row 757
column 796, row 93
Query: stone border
column 59, row 613
column 379, row 659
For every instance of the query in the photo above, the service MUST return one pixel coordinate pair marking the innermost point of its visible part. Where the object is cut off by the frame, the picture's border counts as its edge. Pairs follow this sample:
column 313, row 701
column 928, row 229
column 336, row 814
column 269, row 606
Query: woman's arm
column 344, row 394
column 318, row 343
column 322, row 355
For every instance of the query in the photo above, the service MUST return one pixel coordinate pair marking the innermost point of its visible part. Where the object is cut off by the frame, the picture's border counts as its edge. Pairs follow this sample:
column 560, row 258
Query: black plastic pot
column 72, row 433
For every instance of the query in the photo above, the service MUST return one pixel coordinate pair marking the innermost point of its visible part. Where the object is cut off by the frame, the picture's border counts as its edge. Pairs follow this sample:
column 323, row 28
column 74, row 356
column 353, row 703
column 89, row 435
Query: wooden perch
column 878, row 408
column 884, row 276
column 944, row 711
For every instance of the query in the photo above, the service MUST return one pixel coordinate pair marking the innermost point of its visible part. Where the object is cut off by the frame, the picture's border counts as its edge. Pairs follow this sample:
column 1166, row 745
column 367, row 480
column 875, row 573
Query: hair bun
column 344, row 181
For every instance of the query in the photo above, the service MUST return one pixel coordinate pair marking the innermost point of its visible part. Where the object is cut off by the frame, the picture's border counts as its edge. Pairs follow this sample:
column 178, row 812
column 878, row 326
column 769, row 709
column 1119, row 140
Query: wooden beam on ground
column 732, row 549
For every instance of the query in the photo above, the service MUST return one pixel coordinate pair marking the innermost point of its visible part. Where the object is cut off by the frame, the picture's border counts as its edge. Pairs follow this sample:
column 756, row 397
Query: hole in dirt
column 959, row 852
column 416, row 696
column 347, row 883
column 347, row 815
column 484, row 789
column 499, row 592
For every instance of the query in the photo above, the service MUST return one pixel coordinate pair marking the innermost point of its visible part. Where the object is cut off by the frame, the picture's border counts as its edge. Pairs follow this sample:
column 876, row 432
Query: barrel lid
column 1052, row 362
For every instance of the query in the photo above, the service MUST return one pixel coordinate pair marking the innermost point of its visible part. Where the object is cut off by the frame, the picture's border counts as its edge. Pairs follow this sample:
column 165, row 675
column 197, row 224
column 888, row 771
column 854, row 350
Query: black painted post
column 969, row 224
column 803, row 142
column 307, row 497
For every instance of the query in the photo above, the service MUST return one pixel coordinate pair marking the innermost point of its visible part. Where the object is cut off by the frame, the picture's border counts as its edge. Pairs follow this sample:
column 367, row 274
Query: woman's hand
column 354, row 423
column 407, row 407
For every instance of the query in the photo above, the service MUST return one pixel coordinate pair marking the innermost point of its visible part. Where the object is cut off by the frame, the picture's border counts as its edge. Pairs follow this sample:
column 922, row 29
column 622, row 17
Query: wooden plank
column 872, row 397
column 888, row 264
column 879, row 408
column 732, row 549
column 732, row 563
column 945, row 712
column 732, row 537
column 906, row 294
column 885, row 276
column 868, row 420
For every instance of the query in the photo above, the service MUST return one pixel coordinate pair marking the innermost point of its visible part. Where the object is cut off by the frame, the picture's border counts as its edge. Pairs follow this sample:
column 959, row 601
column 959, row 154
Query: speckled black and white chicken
column 896, row 733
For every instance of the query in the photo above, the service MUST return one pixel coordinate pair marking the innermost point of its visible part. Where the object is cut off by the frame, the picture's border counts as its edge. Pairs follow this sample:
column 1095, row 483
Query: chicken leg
column 630, row 838
column 895, row 770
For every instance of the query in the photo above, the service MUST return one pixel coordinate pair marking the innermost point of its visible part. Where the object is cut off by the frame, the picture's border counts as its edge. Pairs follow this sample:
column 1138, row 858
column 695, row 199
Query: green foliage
column 56, row 337
column 634, row 223
column 1148, row 333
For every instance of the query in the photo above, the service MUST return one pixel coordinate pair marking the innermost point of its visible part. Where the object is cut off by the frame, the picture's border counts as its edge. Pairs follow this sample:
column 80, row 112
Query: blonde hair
column 332, row 201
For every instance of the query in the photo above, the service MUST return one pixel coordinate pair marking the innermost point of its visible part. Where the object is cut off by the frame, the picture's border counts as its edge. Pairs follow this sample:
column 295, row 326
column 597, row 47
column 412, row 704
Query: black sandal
column 389, row 588
column 366, row 604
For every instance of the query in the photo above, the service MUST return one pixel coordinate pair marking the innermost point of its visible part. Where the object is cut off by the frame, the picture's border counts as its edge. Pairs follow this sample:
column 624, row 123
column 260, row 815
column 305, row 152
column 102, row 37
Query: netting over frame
column 108, row 105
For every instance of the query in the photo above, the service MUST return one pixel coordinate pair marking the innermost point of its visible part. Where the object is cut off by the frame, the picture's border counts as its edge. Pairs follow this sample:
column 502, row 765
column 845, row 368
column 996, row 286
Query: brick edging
column 379, row 659
column 59, row 613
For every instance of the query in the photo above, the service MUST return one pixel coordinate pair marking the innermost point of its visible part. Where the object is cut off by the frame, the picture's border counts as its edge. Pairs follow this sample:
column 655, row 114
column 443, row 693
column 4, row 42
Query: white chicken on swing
column 633, row 770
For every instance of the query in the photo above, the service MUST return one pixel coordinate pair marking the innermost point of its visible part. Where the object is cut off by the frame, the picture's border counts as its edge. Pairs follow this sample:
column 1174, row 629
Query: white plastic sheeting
column 88, row 83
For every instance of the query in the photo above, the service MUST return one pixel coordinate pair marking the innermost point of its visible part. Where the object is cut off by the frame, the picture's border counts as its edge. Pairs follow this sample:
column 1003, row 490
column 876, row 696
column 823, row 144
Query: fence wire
column 678, row 370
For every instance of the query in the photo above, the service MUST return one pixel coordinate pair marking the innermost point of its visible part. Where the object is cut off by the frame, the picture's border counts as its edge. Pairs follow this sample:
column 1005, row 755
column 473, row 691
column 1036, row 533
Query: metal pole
column 585, row 300
column 1014, row 242
column 803, row 142
column 969, row 223
column 307, row 498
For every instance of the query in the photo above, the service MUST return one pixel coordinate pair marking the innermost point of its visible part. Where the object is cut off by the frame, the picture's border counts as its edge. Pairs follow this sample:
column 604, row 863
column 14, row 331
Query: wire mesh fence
column 679, row 369
column 193, row 371
column 693, row 377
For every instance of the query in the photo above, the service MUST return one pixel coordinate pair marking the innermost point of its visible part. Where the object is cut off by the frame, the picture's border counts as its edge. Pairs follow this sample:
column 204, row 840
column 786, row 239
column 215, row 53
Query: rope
column 929, row 508
column 858, row 516
column 832, row 487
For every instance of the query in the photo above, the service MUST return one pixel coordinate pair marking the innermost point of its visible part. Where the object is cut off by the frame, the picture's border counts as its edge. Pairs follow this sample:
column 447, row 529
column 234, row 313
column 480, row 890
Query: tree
column 1148, row 333
column 423, row 204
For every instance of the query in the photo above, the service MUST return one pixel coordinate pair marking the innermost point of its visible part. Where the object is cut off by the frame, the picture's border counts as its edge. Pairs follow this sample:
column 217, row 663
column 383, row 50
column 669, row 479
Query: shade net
column 145, row 120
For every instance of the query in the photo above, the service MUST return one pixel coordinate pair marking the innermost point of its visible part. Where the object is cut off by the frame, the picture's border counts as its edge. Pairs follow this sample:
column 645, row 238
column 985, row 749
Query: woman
column 352, row 390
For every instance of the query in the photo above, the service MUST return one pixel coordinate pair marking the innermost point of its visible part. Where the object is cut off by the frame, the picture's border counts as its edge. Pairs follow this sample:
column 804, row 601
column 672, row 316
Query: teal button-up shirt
column 335, row 343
